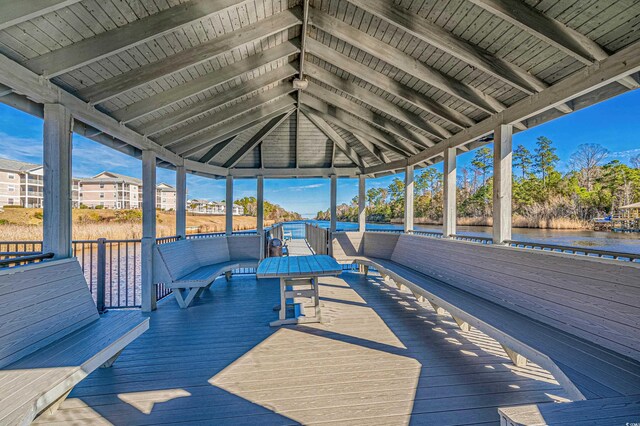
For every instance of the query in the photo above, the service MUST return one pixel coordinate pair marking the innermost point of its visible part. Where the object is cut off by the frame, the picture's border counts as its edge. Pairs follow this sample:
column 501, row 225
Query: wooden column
column 502, row 183
column 449, row 212
column 334, row 208
column 181, row 201
column 260, row 212
column 362, row 203
column 148, row 229
column 57, row 181
column 408, row 199
column 228, row 229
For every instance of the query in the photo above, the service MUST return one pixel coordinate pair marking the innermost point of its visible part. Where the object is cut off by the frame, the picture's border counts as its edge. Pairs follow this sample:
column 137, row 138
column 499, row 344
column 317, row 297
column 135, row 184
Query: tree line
column 543, row 196
column 271, row 211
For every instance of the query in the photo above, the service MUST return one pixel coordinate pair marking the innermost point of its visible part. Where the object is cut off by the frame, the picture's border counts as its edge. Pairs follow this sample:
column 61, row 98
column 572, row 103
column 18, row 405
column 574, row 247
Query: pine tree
column 545, row 158
column 483, row 162
column 522, row 160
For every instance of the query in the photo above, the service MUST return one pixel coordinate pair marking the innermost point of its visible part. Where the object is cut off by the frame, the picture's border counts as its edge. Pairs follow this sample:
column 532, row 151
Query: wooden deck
column 381, row 358
column 299, row 247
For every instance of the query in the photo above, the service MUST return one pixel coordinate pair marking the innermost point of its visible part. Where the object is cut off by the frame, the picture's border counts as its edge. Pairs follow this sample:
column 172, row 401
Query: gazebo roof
column 216, row 85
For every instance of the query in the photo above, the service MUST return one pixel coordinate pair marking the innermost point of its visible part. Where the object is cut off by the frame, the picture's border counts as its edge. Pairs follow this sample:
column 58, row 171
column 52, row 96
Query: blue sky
column 613, row 124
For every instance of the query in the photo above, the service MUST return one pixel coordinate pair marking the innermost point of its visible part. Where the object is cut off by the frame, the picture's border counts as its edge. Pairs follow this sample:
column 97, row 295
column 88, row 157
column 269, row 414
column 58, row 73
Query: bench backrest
column 346, row 245
column 591, row 298
column 208, row 251
column 244, row 247
column 175, row 259
column 41, row 303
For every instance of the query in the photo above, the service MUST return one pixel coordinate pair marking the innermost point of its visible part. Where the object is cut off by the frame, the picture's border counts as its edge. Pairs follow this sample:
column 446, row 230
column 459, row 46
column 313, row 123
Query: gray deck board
column 298, row 247
column 380, row 358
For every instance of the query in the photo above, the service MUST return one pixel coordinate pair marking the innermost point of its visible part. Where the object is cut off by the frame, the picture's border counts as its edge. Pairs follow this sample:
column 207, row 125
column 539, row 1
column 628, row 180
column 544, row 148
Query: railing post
column 101, row 274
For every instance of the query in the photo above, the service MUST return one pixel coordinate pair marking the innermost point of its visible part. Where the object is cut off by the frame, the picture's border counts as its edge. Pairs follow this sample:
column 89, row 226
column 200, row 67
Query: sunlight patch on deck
column 144, row 401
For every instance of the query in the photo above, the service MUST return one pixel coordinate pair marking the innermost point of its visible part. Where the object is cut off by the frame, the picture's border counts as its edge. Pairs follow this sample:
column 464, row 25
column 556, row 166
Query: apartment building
column 211, row 207
column 165, row 197
column 21, row 184
column 111, row 191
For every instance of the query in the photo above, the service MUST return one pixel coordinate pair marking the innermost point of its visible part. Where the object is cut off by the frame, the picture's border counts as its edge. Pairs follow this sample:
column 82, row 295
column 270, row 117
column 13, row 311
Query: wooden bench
column 52, row 337
column 189, row 267
column 575, row 316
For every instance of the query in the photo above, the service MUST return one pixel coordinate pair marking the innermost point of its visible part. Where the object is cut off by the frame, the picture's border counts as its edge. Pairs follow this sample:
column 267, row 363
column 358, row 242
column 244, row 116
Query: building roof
column 17, row 166
column 107, row 176
column 165, row 187
column 318, row 87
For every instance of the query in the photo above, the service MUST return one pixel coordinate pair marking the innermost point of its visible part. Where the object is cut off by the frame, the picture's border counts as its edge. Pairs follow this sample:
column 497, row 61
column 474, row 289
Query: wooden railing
column 317, row 238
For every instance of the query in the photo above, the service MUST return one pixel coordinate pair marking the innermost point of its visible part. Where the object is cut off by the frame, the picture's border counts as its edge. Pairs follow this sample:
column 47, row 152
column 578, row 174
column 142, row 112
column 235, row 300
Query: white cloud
column 624, row 155
column 22, row 149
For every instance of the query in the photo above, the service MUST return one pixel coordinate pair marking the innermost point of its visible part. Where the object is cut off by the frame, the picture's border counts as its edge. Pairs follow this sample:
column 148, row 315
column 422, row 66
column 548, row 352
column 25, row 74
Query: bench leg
column 51, row 409
column 438, row 309
column 227, row 275
column 363, row 269
column 191, row 294
column 464, row 326
column 517, row 359
column 111, row 360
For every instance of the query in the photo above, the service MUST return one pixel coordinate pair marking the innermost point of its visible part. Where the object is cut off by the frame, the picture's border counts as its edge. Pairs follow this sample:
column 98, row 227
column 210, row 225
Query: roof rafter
column 436, row 36
column 377, row 137
column 206, row 82
column 201, row 141
column 108, row 43
column 232, row 111
column 15, row 12
column 256, row 139
column 367, row 115
column 366, row 96
column 405, row 62
column 553, row 32
column 337, row 140
column 209, row 155
column 220, row 45
column 388, row 84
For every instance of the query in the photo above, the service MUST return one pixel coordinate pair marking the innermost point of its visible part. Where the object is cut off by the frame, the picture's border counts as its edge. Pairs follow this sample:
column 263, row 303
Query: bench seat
column 52, row 337
column 189, row 267
column 574, row 316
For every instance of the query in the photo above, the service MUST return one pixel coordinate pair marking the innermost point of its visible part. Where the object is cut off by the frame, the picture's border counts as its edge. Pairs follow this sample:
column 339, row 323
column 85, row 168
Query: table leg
column 283, row 299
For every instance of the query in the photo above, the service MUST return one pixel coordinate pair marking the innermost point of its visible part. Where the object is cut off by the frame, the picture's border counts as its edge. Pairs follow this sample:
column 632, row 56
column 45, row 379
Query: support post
column 408, row 199
column 334, row 209
column 181, row 202
column 148, row 228
column 502, row 183
column 260, row 212
column 449, row 213
column 57, row 181
column 228, row 229
column 362, row 203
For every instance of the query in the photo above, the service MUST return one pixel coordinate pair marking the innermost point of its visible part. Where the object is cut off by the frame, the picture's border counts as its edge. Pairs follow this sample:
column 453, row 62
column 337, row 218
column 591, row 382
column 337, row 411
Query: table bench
column 575, row 316
column 52, row 337
column 189, row 267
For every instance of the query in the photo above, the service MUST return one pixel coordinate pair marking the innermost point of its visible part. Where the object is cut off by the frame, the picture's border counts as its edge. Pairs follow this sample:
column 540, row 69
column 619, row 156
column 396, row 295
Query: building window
column 11, row 176
column 102, row 196
column 102, row 186
column 11, row 188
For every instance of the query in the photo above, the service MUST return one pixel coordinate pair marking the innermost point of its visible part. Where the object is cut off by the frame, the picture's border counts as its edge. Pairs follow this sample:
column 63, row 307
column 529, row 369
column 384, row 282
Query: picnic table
column 298, row 278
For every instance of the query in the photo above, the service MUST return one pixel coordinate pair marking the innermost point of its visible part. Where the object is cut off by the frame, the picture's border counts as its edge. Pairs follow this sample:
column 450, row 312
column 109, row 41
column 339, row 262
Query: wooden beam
column 408, row 199
column 364, row 132
column 600, row 74
column 403, row 61
column 16, row 12
column 238, row 91
column 502, row 183
column 233, row 127
column 387, row 84
column 449, row 212
column 235, row 110
column 365, row 114
column 181, row 202
column 256, row 140
column 148, row 229
column 56, row 226
column 362, row 203
column 333, row 209
column 215, row 150
column 287, row 172
column 204, row 83
column 562, row 37
column 109, row 43
column 365, row 95
column 201, row 53
column 335, row 138
column 228, row 212
column 457, row 47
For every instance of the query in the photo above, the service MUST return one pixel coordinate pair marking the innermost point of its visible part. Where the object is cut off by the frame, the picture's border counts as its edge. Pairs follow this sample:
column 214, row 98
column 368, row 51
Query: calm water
column 626, row 243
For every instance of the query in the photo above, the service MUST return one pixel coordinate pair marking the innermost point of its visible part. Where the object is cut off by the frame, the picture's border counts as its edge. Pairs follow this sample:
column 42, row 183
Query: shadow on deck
column 380, row 358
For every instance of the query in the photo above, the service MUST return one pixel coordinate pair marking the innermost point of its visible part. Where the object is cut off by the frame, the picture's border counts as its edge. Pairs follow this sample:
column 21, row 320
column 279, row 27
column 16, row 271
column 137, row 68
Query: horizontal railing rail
column 23, row 259
column 606, row 254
